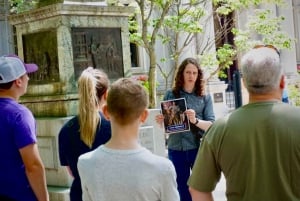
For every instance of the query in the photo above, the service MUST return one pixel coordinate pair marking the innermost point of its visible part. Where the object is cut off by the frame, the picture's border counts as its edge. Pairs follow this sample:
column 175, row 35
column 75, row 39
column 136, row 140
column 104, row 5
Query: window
column 136, row 52
column 134, row 55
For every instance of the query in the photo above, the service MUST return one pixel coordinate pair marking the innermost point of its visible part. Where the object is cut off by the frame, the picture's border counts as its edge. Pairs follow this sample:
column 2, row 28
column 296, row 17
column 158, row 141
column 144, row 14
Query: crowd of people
column 255, row 147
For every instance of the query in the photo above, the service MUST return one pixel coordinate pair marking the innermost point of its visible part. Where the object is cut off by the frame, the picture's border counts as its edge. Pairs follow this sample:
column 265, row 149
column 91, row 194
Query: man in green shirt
column 256, row 147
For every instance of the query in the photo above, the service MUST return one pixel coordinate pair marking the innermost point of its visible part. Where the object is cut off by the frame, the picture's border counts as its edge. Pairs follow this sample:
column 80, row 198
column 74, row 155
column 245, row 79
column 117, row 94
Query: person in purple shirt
column 87, row 130
column 22, row 173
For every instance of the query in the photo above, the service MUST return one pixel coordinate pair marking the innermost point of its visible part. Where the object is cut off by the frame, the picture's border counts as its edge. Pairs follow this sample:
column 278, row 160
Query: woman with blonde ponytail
column 87, row 130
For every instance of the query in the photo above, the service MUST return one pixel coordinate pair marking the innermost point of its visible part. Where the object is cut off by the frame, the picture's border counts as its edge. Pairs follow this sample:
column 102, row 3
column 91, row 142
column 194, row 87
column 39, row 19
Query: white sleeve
column 169, row 185
column 82, row 170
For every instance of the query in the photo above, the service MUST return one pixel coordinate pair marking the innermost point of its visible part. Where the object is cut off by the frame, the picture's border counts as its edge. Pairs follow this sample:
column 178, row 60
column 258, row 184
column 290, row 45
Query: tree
column 152, row 15
column 184, row 19
column 178, row 18
column 18, row 6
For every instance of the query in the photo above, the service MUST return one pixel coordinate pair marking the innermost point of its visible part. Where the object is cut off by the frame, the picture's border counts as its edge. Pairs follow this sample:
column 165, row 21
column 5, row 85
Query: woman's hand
column 203, row 124
column 191, row 115
column 159, row 119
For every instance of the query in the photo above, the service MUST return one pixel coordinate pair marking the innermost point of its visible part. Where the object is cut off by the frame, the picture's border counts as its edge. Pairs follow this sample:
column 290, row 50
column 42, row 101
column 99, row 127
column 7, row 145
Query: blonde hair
column 92, row 85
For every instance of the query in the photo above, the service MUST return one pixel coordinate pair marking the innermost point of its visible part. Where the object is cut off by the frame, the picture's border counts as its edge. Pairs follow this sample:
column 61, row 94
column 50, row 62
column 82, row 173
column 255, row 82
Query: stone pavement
column 219, row 192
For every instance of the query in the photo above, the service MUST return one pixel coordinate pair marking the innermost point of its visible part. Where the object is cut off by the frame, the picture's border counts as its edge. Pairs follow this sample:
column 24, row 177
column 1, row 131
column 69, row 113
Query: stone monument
column 63, row 39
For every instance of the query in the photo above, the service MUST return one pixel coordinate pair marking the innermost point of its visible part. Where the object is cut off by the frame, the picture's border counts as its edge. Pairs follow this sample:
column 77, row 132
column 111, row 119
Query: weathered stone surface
column 52, row 91
column 52, row 106
column 47, row 130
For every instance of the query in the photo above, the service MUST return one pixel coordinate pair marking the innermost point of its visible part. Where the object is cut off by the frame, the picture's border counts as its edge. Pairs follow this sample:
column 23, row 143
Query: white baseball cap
column 12, row 67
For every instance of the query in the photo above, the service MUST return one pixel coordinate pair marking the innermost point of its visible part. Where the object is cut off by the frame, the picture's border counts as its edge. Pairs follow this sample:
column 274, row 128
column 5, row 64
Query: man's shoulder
column 160, row 163
column 19, row 112
column 16, row 107
column 287, row 111
column 89, row 156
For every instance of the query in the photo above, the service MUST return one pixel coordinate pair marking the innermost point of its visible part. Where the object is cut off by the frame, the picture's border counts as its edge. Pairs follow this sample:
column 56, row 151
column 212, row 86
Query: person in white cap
column 22, row 173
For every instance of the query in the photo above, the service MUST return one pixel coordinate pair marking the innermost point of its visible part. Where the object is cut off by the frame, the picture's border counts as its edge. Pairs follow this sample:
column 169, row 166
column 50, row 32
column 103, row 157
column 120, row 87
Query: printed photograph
column 175, row 120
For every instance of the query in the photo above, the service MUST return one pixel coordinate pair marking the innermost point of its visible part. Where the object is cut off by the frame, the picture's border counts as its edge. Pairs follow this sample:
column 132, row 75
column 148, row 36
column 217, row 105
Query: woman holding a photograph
column 183, row 146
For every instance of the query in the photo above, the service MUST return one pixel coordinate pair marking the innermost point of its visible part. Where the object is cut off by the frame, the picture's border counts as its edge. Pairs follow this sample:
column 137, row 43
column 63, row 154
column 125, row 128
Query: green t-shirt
column 257, row 147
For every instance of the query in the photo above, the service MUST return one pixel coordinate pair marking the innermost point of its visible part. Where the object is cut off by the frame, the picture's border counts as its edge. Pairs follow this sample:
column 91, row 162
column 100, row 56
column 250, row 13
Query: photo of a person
column 175, row 119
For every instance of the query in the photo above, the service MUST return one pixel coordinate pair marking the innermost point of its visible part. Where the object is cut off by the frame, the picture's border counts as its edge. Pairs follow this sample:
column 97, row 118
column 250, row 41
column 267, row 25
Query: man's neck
column 253, row 98
column 124, row 137
column 7, row 94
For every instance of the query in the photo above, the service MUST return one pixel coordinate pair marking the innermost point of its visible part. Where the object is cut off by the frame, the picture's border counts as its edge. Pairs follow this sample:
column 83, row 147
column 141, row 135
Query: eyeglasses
column 267, row 46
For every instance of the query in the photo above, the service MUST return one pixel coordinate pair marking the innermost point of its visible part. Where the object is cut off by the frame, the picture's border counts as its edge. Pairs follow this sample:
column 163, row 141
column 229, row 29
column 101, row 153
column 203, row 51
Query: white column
column 288, row 57
column 6, row 39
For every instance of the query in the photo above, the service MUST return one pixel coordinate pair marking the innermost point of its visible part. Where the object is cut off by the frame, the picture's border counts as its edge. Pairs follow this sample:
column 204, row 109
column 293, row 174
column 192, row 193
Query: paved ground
column 219, row 193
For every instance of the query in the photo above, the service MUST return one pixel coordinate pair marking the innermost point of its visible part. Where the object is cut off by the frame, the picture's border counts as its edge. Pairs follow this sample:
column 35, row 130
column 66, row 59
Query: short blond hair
column 126, row 100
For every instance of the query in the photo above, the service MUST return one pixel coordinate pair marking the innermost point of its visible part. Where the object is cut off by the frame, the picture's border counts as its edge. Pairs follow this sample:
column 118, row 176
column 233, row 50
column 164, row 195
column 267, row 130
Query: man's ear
column 18, row 82
column 282, row 82
column 105, row 111
column 144, row 116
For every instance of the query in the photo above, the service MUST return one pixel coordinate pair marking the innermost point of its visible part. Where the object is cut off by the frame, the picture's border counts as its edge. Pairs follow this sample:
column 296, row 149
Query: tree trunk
column 152, row 79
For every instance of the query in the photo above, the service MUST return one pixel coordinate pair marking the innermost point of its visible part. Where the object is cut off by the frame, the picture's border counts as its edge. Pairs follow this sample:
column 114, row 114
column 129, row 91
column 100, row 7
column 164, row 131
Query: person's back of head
column 261, row 70
column 92, row 86
column 12, row 68
column 126, row 100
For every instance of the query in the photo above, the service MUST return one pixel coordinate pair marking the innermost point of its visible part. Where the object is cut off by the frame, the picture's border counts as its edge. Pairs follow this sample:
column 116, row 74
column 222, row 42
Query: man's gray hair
column 261, row 70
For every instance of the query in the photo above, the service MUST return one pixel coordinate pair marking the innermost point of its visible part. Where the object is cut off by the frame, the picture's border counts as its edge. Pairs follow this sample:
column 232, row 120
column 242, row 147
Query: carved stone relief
column 100, row 48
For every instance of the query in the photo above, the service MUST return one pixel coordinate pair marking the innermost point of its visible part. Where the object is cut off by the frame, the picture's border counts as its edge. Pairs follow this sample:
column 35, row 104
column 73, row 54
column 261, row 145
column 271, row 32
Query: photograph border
column 175, row 119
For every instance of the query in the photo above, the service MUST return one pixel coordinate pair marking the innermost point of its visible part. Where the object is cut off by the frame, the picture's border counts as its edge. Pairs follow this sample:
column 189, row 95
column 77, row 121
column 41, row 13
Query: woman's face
column 190, row 75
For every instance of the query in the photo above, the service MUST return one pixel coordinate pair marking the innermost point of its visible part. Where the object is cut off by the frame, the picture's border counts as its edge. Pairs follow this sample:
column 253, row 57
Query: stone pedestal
column 58, row 179
column 63, row 39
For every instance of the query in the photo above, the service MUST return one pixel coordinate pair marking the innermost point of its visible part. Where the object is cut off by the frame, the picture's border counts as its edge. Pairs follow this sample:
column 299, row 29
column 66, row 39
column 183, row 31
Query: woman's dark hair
column 179, row 81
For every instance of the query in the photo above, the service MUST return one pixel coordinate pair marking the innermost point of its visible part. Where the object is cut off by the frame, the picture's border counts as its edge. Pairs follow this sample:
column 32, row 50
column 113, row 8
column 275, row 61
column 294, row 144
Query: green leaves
column 213, row 62
column 225, row 7
column 267, row 26
column 180, row 24
column 294, row 94
column 18, row 6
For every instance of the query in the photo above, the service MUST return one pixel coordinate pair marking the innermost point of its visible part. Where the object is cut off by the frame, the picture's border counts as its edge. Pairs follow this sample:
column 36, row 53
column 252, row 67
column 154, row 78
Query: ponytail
column 89, row 99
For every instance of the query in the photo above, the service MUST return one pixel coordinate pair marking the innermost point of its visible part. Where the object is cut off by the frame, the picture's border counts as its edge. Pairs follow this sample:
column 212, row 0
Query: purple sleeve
column 25, row 128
